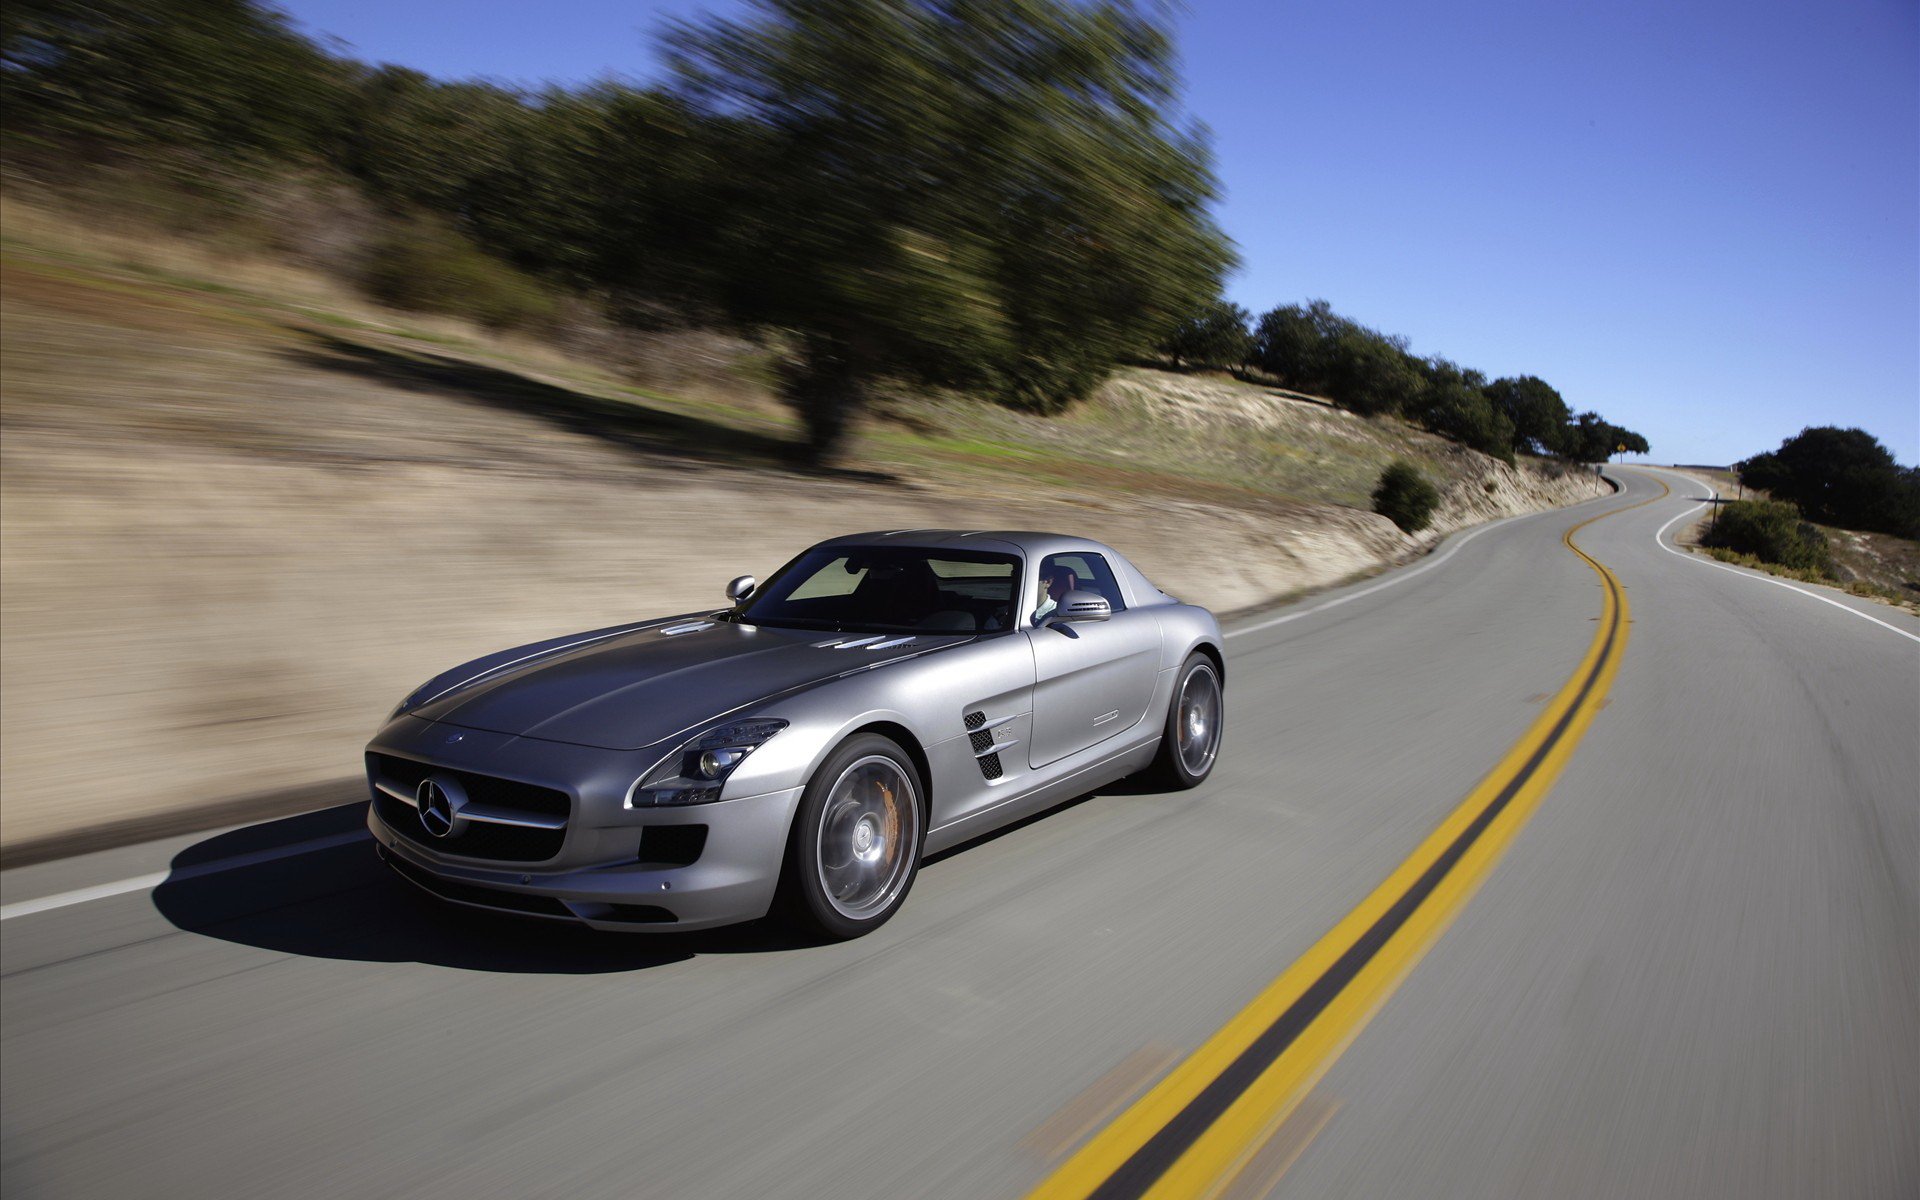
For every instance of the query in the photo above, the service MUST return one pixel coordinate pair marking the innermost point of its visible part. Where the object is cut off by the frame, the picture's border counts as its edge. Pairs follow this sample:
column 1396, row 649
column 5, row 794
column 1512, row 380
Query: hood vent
column 873, row 641
column 689, row 627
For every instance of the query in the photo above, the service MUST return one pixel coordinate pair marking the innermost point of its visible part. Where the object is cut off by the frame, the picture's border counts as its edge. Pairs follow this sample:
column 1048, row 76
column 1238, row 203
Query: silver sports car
column 882, row 697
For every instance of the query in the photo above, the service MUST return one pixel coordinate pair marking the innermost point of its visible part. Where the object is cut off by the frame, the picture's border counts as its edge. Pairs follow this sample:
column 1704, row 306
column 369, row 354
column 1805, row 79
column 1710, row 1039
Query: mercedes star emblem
column 439, row 814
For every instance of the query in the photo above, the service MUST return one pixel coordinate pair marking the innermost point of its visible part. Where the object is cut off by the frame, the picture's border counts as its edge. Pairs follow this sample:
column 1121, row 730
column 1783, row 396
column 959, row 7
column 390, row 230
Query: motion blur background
column 330, row 363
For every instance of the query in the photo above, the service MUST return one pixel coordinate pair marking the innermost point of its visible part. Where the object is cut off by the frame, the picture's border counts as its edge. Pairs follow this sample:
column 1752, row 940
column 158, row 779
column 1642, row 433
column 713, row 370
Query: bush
column 423, row 266
column 1405, row 497
column 1771, row 531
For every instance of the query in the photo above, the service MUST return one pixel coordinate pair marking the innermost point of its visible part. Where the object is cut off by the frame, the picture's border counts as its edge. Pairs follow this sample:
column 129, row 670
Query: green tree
column 1315, row 349
column 1592, row 438
column 1369, row 372
column 1404, row 496
column 1843, row 477
column 1290, row 342
column 1538, row 414
column 1215, row 335
column 227, row 78
column 1452, row 402
column 984, row 195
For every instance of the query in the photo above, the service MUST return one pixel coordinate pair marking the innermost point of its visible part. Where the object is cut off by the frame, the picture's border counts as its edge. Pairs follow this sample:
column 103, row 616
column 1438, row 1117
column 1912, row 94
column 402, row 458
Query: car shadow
column 1125, row 787
column 311, row 885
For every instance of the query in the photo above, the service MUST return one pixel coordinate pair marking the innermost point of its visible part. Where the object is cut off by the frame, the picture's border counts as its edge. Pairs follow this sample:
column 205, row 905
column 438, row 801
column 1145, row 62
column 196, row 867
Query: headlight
column 695, row 773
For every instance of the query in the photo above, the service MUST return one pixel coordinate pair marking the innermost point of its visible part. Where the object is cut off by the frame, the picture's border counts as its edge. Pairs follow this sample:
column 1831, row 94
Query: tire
column 854, row 848
column 1196, row 722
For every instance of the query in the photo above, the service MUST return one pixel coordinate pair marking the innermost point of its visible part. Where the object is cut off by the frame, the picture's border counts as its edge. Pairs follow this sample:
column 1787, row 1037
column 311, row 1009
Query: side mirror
column 1082, row 605
column 741, row 588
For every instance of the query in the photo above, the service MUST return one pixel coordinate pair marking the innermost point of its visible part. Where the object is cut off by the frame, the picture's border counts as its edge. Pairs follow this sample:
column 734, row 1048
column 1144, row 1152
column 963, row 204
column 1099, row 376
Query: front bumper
column 732, row 880
column 605, row 867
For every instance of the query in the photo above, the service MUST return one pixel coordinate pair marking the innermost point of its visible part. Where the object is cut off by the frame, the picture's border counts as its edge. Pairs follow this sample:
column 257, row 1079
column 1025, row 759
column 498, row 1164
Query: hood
column 643, row 687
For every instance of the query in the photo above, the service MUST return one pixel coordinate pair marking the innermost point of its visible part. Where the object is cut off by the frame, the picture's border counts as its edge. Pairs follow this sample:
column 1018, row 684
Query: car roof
column 1029, row 542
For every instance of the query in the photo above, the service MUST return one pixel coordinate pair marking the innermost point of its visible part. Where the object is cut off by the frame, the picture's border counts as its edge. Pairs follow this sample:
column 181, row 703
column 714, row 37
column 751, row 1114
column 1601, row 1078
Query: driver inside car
column 1055, row 582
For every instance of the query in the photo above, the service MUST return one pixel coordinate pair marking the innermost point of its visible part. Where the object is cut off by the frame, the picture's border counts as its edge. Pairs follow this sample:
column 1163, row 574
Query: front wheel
column 1196, row 717
column 856, row 839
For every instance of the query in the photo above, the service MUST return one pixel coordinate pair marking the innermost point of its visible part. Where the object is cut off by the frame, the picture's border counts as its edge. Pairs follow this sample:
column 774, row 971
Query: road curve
column 1690, row 970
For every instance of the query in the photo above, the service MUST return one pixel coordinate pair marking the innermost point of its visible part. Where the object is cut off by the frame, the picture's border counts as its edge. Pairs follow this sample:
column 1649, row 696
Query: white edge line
column 1659, row 537
column 1398, row 577
column 142, row 882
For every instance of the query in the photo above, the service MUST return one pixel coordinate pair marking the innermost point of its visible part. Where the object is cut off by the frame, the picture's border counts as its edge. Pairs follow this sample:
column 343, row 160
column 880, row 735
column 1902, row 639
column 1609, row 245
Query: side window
column 1090, row 573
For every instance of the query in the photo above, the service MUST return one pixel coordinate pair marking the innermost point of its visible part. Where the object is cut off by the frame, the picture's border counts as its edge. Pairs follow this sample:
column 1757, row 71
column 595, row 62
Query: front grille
column 494, row 792
column 482, row 840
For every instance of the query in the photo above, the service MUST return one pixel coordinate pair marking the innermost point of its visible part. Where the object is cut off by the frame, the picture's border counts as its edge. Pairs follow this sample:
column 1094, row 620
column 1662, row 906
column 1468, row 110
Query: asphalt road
column 1694, row 972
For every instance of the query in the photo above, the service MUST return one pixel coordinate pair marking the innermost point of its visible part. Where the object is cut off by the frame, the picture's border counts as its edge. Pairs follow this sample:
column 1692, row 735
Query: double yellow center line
column 1198, row 1128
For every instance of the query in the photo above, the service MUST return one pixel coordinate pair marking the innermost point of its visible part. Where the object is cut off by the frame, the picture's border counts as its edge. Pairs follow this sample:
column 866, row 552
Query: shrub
column 1772, row 531
column 1405, row 497
column 423, row 266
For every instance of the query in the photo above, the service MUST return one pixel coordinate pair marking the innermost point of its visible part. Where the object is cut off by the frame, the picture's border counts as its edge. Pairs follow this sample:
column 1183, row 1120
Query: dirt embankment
column 226, row 550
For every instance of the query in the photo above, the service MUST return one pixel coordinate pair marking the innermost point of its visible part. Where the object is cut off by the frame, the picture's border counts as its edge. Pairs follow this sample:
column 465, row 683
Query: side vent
column 981, row 739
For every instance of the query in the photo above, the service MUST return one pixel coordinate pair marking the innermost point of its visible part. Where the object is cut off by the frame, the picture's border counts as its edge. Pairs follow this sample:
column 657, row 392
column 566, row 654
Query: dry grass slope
column 244, row 510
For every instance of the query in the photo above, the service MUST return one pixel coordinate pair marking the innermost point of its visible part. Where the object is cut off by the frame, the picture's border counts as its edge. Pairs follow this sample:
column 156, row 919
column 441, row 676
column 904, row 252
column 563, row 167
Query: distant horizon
column 1702, row 223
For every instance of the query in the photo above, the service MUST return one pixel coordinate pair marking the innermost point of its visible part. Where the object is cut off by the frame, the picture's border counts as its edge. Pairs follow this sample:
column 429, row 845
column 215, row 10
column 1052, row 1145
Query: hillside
column 245, row 510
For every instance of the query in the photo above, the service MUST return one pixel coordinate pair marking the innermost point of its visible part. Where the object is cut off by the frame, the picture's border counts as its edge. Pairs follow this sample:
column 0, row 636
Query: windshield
column 884, row 589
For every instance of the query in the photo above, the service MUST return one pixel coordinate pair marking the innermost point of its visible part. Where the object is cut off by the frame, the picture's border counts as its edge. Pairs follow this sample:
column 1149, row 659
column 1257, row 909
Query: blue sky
column 1701, row 219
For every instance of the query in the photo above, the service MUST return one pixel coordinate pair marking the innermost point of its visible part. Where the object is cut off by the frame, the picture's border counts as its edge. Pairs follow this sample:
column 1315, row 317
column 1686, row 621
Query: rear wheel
column 855, row 844
column 1196, row 718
